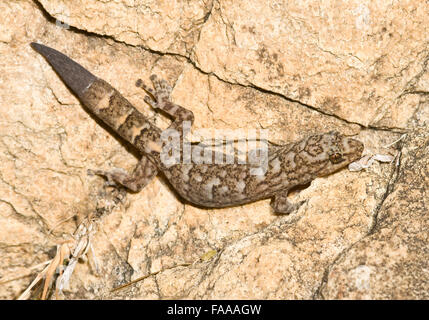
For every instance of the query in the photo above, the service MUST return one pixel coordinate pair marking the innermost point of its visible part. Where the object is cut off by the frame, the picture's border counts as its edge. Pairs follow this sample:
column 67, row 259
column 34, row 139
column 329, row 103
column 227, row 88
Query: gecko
column 208, row 185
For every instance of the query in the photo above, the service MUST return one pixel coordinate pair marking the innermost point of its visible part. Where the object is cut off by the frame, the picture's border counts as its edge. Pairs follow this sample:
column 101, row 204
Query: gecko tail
column 76, row 77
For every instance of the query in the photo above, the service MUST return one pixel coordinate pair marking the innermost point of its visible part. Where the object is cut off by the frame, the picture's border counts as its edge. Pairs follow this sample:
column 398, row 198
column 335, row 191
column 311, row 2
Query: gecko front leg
column 282, row 205
column 142, row 174
column 160, row 99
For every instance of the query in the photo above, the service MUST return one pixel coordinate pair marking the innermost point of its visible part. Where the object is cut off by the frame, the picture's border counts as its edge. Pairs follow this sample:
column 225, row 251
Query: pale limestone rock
column 346, row 58
column 236, row 65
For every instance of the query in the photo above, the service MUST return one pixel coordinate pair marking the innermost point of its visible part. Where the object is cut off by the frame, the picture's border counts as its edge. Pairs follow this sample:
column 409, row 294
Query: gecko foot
column 159, row 98
column 112, row 177
column 160, row 95
column 118, row 178
column 142, row 174
column 281, row 205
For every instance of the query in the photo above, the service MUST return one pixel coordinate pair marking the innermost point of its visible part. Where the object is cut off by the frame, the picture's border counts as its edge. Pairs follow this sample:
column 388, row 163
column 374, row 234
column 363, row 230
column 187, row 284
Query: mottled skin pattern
column 207, row 185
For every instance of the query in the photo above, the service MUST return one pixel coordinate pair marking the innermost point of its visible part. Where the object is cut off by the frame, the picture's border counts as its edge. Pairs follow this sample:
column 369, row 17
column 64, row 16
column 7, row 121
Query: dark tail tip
column 76, row 77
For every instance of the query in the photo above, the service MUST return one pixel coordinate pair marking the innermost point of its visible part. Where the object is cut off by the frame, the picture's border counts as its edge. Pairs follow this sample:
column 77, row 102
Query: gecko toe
column 141, row 84
column 149, row 100
column 165, row 86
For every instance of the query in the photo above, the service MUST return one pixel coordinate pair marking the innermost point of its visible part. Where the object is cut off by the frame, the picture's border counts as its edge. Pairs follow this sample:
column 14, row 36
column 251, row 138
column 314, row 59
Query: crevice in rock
column 390, row 185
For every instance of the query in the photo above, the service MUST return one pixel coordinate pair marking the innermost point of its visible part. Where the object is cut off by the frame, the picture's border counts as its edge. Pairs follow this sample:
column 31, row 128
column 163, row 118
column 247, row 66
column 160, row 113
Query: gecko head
column 331, row 151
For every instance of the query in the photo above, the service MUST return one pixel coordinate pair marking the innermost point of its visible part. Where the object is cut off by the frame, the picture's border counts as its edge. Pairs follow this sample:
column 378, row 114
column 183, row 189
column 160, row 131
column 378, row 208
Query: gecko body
column 205, row 184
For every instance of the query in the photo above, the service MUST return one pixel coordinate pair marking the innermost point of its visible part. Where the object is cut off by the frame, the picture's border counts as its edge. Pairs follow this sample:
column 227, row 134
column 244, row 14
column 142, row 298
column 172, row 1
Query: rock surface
column 292, row 68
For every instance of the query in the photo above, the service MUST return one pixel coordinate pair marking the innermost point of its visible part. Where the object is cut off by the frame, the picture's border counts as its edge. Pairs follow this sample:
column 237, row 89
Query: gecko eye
column 336, row 158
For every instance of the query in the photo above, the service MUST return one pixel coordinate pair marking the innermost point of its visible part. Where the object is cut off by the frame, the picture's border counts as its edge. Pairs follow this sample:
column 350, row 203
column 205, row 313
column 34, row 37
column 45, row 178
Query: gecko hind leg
column 282, row 205
column 142, row 174
column 161, row 100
